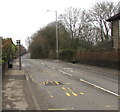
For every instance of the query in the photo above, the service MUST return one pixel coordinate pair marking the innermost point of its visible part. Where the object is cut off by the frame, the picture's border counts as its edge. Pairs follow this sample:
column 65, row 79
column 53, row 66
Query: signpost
column 19, row 46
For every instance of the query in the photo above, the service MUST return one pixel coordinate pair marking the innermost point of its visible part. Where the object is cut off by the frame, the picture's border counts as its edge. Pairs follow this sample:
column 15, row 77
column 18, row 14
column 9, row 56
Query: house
column 115, row 30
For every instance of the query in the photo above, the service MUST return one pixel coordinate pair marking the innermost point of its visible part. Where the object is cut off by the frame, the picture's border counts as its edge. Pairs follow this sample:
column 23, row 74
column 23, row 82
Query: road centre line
column 50, row 67
column 65, row 73
column 42, row 64
column 99, row 87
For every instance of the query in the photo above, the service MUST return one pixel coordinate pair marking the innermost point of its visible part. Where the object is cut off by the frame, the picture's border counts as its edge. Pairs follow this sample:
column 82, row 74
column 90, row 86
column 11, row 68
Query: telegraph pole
column 19, row 46
column 57, row 44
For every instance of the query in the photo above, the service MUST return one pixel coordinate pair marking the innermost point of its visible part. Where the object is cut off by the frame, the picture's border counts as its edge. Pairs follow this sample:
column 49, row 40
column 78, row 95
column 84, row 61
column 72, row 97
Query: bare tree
column 28, row 41
column 99, row 14
column 71, row 19
column 77, row 22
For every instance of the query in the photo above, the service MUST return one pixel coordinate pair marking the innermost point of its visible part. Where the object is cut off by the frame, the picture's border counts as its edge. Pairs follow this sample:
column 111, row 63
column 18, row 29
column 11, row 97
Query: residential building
column 115, row 30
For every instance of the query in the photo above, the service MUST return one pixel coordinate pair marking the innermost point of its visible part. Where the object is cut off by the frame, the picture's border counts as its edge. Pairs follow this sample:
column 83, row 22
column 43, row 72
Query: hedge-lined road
column 60, row 85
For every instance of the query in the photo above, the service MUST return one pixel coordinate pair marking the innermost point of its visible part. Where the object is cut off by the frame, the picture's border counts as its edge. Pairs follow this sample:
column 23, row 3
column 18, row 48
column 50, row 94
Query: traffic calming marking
column 52, row 83
column 68, row 94
column 33, row 80
column 63, row 88
column 74, row 94
column 81, row 93
column 57, row 82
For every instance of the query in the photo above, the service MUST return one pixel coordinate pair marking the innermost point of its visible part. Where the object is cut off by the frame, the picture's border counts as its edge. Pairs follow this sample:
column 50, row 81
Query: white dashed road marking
column 65, row 73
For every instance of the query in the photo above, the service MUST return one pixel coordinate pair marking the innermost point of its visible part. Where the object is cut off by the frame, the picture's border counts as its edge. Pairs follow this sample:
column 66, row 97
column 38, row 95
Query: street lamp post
column 19, row 46
column 57, row 49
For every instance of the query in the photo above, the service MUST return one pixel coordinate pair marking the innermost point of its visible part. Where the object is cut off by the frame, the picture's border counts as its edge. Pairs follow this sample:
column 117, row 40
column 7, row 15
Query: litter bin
column 74, row 61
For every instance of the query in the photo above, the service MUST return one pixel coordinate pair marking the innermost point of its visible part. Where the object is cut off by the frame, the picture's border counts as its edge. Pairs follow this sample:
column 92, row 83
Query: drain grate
column 52, row 83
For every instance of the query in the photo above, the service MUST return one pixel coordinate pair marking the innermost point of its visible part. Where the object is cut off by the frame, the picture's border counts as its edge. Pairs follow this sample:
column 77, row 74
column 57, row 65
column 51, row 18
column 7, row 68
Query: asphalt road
column 58, row 85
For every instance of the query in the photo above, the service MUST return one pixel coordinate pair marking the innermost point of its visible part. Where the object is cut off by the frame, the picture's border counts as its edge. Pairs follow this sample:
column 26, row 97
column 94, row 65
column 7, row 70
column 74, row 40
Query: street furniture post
column 19, row 47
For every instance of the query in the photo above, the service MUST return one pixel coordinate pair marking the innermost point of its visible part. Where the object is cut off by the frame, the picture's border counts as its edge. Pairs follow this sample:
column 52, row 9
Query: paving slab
column 15, row 91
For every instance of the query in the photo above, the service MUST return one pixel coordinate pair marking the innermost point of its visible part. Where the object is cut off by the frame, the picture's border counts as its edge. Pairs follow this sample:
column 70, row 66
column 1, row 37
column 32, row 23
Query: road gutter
column 31, row 92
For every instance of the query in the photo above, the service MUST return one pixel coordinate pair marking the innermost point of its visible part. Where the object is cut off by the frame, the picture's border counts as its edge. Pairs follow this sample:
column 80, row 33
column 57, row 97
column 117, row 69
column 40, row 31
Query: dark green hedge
column 66, row 55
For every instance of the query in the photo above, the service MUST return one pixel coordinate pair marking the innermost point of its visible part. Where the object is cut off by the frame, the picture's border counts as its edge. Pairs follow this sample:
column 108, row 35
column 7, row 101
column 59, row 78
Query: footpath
column 15, row 90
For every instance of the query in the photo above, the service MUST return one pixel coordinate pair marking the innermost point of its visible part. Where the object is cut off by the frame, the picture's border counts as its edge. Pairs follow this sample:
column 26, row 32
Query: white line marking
column 100, row 87
column 26, row 78
column 23, row 65
column 68, row 74
column 65, row 73
column 50, row 94
column 69, row 69
column 51, row 67
column 48, row 66
column 42, row 64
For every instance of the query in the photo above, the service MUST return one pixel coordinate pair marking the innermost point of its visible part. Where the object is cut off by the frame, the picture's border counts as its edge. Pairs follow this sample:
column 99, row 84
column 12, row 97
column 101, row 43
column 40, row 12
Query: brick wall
column 100, row 58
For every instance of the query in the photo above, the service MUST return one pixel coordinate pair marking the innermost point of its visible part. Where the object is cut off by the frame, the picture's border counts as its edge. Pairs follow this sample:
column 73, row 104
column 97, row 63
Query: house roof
column 115, row 17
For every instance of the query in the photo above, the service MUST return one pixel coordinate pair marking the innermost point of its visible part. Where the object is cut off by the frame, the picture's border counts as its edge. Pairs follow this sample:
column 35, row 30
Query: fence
column 100, row 58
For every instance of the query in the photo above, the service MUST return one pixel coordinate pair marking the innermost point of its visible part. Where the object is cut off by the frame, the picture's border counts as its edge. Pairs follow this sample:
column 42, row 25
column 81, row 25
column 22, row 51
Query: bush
column 52, row 54
column 66, row 54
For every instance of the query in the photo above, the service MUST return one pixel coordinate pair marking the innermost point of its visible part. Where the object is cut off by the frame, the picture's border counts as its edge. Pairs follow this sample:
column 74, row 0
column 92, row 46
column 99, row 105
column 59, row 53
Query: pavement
column 16, row 94
column 0, row 87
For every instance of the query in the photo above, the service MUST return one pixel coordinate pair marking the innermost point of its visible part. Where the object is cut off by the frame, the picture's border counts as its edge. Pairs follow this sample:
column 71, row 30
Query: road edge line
column 108, row 91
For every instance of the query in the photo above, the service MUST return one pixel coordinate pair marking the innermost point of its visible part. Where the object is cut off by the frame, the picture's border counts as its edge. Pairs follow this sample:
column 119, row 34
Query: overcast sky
column 21, row 18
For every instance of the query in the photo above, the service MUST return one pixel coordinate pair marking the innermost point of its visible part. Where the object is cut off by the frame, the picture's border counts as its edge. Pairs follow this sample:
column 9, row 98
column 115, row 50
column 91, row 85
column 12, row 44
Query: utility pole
column 19, row 46
column 57, row 44
column 56, row 35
